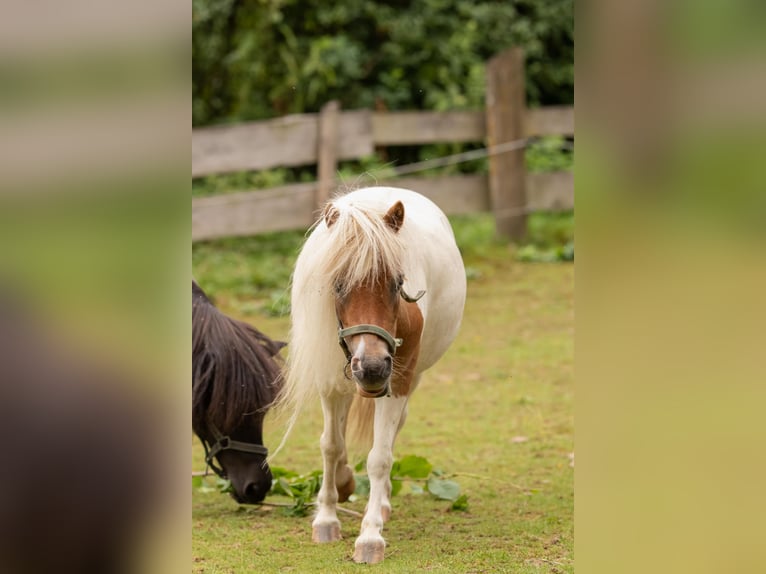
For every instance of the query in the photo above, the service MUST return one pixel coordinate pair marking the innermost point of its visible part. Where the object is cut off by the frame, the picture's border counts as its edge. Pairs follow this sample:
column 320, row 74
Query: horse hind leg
column 370, row 545
column 344, row 480
column 326, row 526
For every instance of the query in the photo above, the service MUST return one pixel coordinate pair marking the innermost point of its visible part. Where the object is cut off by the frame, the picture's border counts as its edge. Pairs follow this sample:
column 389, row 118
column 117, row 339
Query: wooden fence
column 333, row 135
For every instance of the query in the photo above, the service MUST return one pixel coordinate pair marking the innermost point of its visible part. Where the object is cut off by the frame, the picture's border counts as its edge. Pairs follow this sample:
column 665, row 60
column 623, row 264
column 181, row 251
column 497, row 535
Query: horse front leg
column 389, row 413
column 326, row 526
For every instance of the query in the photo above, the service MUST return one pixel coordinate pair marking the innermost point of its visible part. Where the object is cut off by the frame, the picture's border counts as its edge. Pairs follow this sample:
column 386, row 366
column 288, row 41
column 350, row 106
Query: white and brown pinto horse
column 381, row 275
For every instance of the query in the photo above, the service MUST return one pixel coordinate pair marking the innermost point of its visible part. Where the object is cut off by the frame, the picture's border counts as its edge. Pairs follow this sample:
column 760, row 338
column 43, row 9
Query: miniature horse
column 235, row 379
column 359, row 337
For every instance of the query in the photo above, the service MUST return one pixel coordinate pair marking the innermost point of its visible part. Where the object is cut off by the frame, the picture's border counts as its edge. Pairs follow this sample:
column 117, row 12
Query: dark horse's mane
column 235, row 368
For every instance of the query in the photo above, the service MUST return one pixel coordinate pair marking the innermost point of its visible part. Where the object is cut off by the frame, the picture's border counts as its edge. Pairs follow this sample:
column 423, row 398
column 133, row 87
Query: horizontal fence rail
column 292, row 141
column 292, row 206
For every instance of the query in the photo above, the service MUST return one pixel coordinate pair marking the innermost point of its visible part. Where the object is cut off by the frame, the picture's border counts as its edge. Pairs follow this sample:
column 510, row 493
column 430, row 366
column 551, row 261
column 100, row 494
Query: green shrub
column 255, row 60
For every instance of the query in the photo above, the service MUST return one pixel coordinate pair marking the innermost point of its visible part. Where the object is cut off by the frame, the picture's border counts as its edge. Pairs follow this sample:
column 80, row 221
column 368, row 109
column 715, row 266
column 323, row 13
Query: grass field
column 497, row 412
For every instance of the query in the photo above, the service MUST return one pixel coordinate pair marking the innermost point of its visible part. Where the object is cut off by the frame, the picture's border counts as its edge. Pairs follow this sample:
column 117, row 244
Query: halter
column 392, row 342
column 223, row 442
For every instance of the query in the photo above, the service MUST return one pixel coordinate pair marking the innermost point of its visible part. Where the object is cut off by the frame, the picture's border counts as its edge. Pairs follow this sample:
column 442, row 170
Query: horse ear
column 330, row 214
column 394, row 218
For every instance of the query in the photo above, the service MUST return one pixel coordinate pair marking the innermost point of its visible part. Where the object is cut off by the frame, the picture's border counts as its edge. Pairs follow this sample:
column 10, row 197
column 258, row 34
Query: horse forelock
column 235, row 373
column 359, row 248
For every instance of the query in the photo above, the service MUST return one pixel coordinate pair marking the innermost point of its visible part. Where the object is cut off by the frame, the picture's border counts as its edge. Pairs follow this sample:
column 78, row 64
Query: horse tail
column 234, row 366
column 361, row 418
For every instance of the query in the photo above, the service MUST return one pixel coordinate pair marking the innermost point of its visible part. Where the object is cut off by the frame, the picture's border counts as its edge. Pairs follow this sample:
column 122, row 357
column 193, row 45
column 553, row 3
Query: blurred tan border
column 670, row 287
column 94, row 212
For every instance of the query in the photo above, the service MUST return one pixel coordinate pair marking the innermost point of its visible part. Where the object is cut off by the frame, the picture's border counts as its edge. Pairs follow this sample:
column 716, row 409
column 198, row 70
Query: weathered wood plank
column 549, row 121
column 553, row 191
column 282, row 142
column 454, row 194
column 506, row 106
column 252, row 212
column 292, row 206
column 405, row 128
column 355, row 135
column 293, row 140
column 286, row 141
column 327, row 152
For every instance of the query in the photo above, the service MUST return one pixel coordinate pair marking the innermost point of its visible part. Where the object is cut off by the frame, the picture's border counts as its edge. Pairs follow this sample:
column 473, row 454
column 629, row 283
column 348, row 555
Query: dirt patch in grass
column 508, row 375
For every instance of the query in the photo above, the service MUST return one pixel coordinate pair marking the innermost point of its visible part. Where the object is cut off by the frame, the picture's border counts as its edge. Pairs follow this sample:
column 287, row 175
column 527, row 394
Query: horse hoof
column 369, row 552
column 325, row 533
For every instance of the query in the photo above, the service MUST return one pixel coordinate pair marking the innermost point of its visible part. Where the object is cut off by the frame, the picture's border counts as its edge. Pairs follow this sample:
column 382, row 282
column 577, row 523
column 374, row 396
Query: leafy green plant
column 550, row 153
column 550, row 238
column 253, row 60
column 414, row 471
column 301, row 488
column 211, row 483
column 533, row 254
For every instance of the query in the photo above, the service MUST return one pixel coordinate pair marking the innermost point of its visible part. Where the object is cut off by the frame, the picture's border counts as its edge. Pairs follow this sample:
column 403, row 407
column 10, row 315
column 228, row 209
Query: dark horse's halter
column 390, row 340
column 223, row 442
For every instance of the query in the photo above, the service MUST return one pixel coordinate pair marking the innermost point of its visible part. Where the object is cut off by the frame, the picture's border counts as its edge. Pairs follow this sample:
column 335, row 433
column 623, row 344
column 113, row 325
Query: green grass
column 509, row 374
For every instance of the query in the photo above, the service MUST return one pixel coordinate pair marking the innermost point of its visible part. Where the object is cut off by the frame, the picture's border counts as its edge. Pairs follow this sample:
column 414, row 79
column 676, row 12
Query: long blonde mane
column 357, row 247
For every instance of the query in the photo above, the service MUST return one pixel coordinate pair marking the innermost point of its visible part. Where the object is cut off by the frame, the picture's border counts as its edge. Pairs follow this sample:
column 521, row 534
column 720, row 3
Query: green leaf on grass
column 414, row 467
column 298, row 509
column 396, row 486
column 460, row 504
column 443, row 489
column 224, row 485
column 277, row 471
column 285, row 486
column 362, row 485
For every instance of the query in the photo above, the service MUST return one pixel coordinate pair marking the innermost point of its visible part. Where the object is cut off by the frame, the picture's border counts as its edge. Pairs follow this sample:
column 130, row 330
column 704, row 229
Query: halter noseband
column 223, row 442
column 392, row 342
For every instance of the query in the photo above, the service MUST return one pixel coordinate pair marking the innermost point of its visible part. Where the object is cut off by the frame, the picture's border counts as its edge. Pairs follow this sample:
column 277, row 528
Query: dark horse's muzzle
column 249, row 475
column 251, row 485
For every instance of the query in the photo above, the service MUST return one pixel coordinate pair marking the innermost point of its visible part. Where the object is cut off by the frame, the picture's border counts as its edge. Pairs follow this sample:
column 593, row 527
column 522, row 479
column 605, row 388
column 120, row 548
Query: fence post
column 327, row 153
column 506, row 107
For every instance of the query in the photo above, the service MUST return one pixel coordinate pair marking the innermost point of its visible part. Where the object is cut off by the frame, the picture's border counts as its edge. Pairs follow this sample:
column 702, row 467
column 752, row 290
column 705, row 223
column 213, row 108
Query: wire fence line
column 466, row 156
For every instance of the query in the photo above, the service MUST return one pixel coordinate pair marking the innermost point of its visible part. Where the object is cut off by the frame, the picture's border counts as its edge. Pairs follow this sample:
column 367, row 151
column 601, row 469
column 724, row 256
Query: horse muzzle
column 372, row 375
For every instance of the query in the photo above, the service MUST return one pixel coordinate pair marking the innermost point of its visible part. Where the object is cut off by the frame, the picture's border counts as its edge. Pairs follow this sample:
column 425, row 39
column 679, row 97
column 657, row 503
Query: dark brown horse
column 235, row 378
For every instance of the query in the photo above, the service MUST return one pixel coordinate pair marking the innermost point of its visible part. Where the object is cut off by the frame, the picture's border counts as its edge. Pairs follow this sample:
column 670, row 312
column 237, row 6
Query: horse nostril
column 383, row 369
column 378, row 369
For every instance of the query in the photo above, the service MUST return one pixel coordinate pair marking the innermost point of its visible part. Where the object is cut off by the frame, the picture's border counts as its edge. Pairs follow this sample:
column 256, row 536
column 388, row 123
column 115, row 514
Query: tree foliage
column 254, row 59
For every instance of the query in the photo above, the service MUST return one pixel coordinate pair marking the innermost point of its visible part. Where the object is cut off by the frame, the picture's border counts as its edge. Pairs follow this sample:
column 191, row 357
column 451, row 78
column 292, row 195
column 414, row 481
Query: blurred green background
column 255, row 60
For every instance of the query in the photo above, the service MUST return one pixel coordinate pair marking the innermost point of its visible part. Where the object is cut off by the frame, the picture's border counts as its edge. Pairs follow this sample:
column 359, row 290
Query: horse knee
column 330, row 448
column 379, row 465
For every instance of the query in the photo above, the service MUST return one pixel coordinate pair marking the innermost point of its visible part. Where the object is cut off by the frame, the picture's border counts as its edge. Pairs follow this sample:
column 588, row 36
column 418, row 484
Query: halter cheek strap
column 223, row 442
